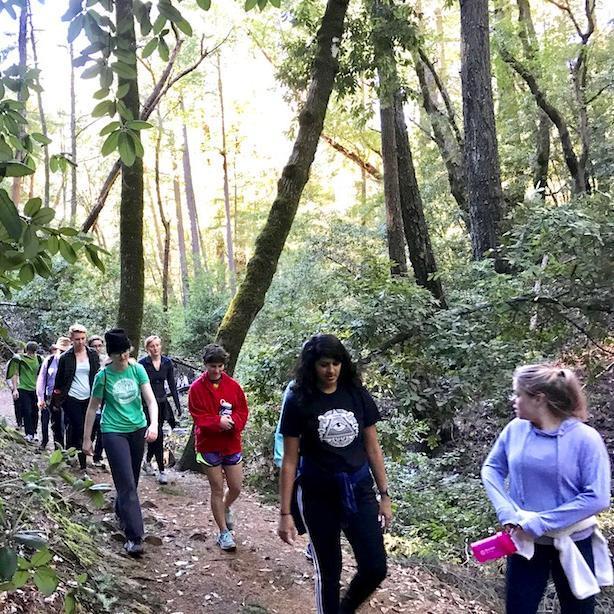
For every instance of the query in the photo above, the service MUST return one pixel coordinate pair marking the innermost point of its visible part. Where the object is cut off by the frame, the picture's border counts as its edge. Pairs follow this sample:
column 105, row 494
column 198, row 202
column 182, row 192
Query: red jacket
column 204, row 405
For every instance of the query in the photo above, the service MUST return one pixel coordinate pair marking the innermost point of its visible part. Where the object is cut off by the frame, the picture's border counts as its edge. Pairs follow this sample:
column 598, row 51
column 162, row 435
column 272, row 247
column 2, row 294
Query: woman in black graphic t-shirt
column 328, row 423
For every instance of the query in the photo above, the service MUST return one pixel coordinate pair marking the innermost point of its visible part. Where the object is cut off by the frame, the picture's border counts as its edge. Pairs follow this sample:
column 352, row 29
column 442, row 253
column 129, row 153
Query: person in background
column 23, row 370
column 77, row 368
column 558, row 471
column 219, row 409
column 45, row 383
column 10, row 366
column 161, row 373
column 96, row 342
column 328, row 425
column 120, row 385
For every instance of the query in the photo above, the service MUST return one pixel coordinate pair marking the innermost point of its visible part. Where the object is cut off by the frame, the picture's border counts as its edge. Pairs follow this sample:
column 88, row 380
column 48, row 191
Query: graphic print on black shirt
column 330, row 427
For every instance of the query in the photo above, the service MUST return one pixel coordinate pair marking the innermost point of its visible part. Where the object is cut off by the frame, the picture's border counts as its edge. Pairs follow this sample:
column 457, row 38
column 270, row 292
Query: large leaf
column 148, row 49
column 43, row 216
column 126, row 150
column 67, row 251
column 14, row 168
column 204, row 4
column 9, row 216
column 46, row 580
column 41, row 558
column 32, row 206
column 8, row 563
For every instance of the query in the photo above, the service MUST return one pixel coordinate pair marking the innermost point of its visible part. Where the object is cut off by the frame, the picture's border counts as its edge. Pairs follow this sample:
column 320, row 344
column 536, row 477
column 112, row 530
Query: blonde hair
column 560, row 386
column 77, row 328
column 150, row 339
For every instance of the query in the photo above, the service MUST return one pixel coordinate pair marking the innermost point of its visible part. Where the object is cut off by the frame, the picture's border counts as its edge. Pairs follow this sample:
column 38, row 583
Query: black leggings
column 324, row 519
column 156, row 448
column 29, row 410
column 526, row 581
column 74, row 414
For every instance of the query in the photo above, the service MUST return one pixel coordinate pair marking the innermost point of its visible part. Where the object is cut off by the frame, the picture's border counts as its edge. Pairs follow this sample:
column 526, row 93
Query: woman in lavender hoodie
column 559, row 474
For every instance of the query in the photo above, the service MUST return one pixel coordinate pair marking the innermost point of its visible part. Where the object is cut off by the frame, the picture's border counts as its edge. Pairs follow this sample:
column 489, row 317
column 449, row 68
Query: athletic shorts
column 215, row 459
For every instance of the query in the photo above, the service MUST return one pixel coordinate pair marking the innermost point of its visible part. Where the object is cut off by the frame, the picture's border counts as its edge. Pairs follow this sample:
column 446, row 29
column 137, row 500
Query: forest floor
column 183, row 571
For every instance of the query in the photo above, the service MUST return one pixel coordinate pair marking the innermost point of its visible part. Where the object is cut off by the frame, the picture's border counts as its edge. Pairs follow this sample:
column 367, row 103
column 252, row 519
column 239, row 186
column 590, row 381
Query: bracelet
column 285, row 513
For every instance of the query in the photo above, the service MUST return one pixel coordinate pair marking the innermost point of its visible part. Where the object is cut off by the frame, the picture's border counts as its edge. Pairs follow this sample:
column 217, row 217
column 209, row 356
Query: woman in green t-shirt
column 124, row 430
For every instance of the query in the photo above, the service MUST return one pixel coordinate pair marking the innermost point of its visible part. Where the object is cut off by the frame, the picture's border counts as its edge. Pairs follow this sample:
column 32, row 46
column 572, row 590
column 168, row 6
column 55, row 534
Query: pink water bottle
column 493, row 547
column 225, row 408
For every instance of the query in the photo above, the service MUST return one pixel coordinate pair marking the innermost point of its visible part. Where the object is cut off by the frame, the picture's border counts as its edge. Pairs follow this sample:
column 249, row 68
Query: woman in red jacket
column 219, row 410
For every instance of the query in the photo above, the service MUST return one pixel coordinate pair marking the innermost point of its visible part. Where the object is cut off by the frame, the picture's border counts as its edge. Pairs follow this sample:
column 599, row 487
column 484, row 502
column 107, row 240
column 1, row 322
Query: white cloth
column 80, row 387
column 582, row 581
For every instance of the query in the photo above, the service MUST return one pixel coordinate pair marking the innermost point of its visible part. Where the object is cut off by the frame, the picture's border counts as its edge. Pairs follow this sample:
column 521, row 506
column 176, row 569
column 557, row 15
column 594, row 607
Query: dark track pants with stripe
column 322, row 514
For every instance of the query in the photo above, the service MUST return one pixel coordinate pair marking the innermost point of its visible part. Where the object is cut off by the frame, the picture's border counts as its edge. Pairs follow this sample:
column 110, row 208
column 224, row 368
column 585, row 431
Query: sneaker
column 230, row 519
column 226, row 542
column 147, row 468
column 29, row 438
column 309, row 552
column 162, row 479
column 99, row 464
column 133, row 548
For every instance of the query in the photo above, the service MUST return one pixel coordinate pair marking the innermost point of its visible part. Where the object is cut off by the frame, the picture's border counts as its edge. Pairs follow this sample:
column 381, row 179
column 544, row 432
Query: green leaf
column 110, row 144
column 9, row 216
column 74, row 8
column 46, row 580
column 41, row 138
column 106, row 107
column 110, row 127
column 68, row 231
column 8, row 563
column 159, row 24
column 75, row 27
column 42, row 267
column 205, row 5
column 70, row 604
column 26, row 273
column 30, row 243
column 67, row 251
column 32, row 206
column 126, row 150
column 101, row 93
column 138, row 124
column 20, row 578
column 275, row 3
column 149, row 48
column 56, row 455
column 124, row 70
column 92, row 71
column 122, row 90
column 163, row 50
column 53, row 245
column 136, row 141
column 184, row 26
column 262, row 4
column 14, row 168
column 97, row 499
column 250, row 4
column 41, row 558
column 43, row 216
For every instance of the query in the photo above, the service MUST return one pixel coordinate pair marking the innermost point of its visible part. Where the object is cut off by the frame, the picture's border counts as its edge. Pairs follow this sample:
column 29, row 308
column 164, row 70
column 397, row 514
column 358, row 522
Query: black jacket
column 67, row 366
column 157, row 377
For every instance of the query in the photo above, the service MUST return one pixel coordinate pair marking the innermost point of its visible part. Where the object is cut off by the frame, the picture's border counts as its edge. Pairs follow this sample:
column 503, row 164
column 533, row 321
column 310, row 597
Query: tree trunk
column 481, row 156
column 73, row 141
column 166, row 254
column 230, row 254
column 41, row 111
column 443, row 135
column 190, row 198
column 416, row 230
column 261, row 267
column 183, row 260
column 22, row 95
column 132, row 264
column 388, row 83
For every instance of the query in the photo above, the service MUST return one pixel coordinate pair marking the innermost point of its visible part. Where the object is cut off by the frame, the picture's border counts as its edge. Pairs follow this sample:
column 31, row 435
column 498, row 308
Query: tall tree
column 41, row 109
column 166, row 254
column 190, row 198
column 22, row 94
column 132, row 263
column 230, row 254
column 481, row 155
column 73, row 139
column 261, row 267
column 183, row 260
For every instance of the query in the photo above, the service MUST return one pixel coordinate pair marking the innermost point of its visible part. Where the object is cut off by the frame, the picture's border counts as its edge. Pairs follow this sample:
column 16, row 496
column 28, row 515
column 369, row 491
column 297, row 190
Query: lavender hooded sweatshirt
column 563, row 475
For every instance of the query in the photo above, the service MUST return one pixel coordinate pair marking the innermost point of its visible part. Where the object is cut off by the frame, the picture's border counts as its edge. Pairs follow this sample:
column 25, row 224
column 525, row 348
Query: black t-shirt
column 330, row 426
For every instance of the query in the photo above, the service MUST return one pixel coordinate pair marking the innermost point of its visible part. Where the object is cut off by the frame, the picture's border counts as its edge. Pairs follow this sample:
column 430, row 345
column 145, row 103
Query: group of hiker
column 547, row 474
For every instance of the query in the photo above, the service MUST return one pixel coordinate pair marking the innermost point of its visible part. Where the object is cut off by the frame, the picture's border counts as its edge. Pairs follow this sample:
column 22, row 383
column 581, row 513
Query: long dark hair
column 317, row 347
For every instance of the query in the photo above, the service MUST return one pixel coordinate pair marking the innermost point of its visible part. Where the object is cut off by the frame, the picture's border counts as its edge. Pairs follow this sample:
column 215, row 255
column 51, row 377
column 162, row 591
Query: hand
column 42, row 404
column 286, row 529
column 226, row 423
column 15, row 394
column 87, row 447
column 510, row 528
column 385, row 512
column 151, row 434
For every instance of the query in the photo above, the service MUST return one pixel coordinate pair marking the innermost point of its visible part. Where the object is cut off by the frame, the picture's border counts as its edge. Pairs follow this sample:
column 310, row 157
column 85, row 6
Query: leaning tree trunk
column 73, row 140
column 183, row 260
column 249, row 299
column 22, row 94
column 416, row 230
column 166, row 253
column 261, row 267
column 484, row 191
column 132, row 264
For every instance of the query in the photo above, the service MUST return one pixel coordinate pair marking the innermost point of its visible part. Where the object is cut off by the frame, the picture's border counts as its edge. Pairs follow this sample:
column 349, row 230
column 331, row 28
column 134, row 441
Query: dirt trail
column 186, row 572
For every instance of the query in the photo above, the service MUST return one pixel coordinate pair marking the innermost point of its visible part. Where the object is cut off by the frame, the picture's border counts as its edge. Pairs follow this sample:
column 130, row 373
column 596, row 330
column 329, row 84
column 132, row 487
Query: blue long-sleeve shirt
column 564, row 475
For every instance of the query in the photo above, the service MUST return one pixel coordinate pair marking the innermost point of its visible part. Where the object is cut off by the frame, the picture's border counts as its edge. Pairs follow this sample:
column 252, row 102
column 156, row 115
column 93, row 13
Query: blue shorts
column 215, row 459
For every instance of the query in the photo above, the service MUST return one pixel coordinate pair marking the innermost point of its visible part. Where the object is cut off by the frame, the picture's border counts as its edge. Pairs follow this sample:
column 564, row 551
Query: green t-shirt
column 121, row 392
column 27, row 367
